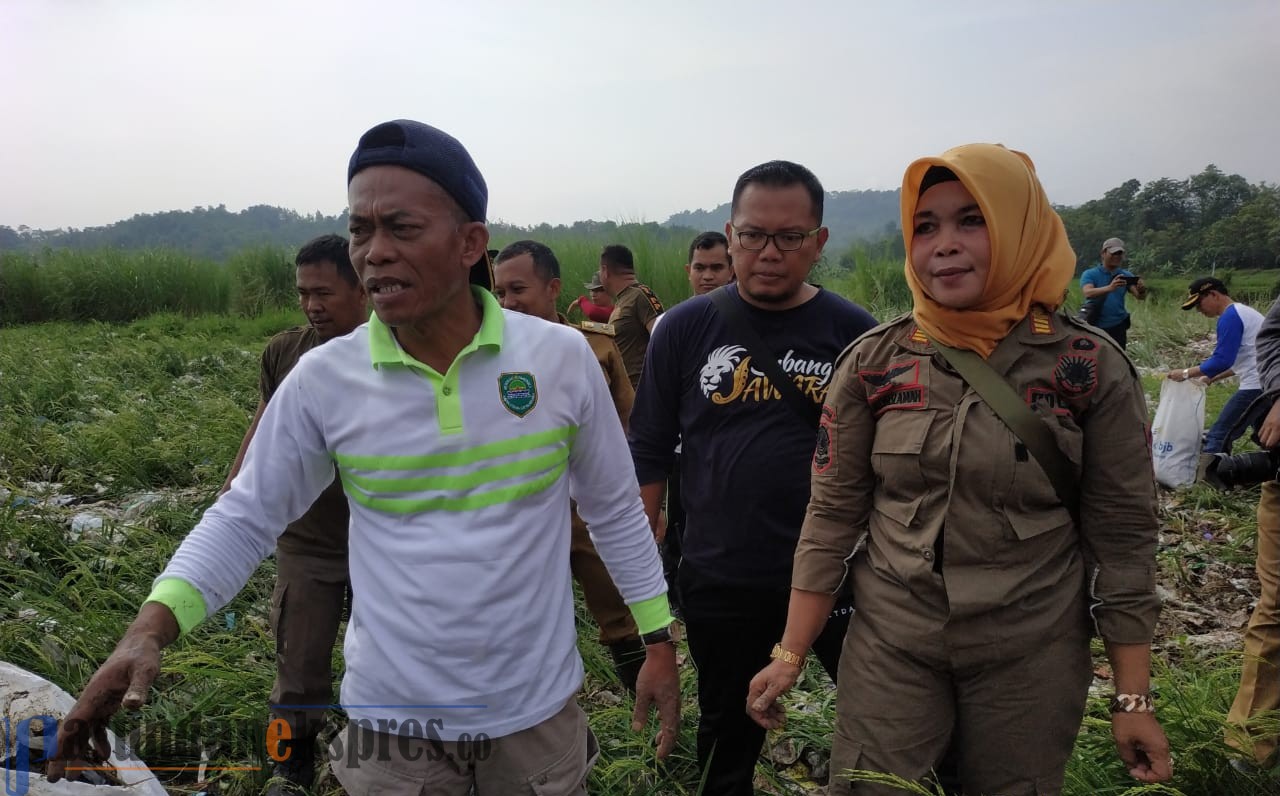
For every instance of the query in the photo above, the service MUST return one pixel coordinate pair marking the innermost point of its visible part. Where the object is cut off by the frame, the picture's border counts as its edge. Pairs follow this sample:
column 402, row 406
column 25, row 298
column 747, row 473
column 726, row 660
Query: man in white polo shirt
column 460, row 432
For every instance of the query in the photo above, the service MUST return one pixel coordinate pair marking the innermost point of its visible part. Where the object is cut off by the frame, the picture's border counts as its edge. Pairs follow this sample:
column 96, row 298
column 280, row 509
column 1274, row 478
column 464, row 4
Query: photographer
column 1234, row 355
column 1107, row 284
column 1260, row 677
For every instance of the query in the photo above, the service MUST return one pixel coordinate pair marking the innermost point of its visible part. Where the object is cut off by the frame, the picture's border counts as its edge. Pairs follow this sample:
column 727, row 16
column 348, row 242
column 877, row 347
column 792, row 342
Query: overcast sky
column 628, row 111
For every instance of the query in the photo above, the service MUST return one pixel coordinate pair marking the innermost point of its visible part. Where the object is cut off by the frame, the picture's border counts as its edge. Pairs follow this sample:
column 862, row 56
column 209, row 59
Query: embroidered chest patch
column 897, row 387
column 518, row 392
column 1049, row 399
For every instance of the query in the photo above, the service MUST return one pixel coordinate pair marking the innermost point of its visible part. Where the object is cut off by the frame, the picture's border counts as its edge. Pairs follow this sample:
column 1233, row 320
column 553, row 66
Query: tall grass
column 107, row 285
column 116, row 286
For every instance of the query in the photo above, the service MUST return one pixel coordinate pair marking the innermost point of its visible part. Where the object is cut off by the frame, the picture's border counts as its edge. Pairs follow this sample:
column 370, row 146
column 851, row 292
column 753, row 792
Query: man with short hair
column 1234, row 354
column 748, row 448
column 526, row 277
column 460, row 433
column 634, row 307
column 311, row 554
column 1108, row 282
column 710, row 265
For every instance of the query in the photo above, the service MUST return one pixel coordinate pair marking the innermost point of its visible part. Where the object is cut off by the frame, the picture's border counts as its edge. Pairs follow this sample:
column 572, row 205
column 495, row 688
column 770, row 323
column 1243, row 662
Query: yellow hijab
column 1031, row 259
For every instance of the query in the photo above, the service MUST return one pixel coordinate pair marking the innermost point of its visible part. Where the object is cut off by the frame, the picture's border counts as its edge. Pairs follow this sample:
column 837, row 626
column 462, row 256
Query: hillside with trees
column 1211, row 220
column 850, row 215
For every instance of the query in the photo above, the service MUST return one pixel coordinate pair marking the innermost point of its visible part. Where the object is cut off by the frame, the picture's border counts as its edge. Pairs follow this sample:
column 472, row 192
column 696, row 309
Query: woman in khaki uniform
column 976, row 590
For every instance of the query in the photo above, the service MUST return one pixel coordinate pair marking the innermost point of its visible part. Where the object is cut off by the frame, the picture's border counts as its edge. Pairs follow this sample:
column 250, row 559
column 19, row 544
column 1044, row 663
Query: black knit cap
column 435, row 155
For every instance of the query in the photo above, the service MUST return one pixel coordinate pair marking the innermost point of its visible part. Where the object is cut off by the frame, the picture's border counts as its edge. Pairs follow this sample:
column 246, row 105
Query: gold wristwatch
column 786, row 655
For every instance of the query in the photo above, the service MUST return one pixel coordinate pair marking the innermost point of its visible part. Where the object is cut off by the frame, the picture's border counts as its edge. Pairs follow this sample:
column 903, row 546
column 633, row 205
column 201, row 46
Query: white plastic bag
column 1176, row 432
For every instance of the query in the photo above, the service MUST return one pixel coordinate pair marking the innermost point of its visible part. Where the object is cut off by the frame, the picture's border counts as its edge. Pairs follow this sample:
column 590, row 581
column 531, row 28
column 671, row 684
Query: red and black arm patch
column 1076, row 375
column 824, row 455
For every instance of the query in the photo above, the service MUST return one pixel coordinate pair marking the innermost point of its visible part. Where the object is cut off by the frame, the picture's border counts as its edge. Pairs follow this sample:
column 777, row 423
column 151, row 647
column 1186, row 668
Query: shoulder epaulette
column 654, row 301
column 598, row 328
column 1040, row 323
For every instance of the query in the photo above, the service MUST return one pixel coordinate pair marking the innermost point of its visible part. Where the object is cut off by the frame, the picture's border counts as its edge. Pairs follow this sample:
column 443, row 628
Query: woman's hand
column 1142, row 746
column 766, row 687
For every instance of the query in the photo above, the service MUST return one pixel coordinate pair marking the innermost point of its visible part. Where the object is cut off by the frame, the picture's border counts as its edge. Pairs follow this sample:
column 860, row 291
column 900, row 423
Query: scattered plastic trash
column 84, row 521
column 139, row 506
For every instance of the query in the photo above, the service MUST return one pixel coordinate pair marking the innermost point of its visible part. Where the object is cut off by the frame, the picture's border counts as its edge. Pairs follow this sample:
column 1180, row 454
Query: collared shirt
column 952, row 534
column 600, row 338
column 634, row 310
column 459, row 486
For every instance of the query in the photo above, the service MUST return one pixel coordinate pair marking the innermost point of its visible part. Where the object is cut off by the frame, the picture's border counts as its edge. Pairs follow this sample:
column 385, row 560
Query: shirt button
column 927, row 553
column 447, row 391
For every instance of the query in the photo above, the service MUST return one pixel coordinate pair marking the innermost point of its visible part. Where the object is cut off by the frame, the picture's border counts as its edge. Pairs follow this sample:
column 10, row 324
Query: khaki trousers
column 1010, row 724
column 598, row 590
column 552, row 758
column 1259, row 690
column 306, row 608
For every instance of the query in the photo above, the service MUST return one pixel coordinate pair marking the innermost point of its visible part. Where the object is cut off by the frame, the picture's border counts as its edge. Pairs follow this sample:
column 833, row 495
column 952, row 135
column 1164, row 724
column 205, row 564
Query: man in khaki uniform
column 527, row 280
column 1018, row 601
column 311, row 555
column 635, row 307
column 1259, row 693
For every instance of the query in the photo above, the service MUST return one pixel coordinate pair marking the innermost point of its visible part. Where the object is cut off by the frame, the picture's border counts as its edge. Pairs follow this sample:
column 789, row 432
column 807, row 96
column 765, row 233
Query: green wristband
column 652, row 614
column 182, row 598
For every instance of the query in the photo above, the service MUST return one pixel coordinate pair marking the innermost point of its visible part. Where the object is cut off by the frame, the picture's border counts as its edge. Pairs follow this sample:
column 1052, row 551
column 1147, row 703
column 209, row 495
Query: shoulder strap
column 1023, row 422
column 763, row 358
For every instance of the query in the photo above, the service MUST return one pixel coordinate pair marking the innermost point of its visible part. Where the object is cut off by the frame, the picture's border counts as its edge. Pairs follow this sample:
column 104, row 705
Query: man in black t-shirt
column 746, row 451
column 311, row 555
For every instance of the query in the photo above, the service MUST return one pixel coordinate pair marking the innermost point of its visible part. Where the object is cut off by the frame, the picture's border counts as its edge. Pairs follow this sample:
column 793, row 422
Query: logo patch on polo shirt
column 518, row 392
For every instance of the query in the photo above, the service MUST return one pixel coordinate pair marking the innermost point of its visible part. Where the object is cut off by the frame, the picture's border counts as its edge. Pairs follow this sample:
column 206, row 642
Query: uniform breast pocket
column 897, row 459
column 1033, row 506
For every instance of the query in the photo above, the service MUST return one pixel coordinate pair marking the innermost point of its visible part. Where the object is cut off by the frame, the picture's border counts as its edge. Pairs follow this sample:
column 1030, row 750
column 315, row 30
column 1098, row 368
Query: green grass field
column 103, row 414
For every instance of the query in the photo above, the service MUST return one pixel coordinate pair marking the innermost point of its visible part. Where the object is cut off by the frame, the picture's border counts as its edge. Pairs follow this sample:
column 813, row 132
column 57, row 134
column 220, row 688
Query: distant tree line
column 1209, row 221
column 212, row 233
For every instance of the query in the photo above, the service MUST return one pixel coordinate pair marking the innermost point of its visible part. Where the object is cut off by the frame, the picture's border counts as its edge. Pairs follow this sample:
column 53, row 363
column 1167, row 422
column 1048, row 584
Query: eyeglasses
column 753, row 240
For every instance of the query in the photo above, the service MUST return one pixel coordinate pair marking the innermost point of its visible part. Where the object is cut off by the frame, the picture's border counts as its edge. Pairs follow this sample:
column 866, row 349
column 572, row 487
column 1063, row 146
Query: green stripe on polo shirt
column 471, row 480
column 489, row 450
column 385, row 350
column 469, row 502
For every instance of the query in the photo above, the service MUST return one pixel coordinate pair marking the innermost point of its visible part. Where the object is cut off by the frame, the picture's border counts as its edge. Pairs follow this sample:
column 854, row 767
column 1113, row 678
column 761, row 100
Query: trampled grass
column 104, row 412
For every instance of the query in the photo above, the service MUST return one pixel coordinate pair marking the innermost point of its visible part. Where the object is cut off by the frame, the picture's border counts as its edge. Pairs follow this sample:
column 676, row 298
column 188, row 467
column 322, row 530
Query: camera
column 1225, row 471
column 1132, row 280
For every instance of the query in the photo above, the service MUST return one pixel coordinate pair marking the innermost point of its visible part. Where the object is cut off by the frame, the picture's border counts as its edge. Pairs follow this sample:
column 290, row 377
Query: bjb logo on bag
column 16, row 753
